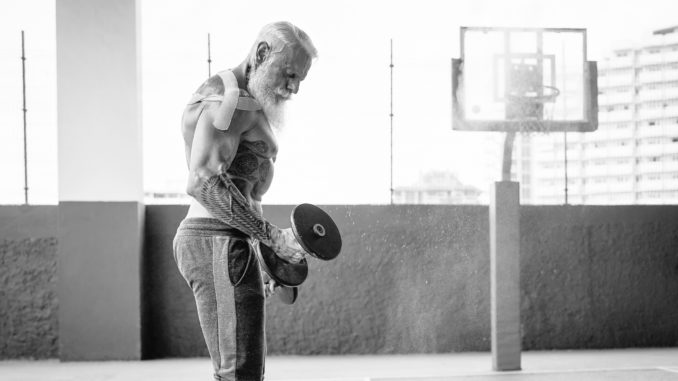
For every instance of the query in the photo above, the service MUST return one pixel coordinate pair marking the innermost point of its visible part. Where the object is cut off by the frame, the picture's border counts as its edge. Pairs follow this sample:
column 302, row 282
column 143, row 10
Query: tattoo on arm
column 224, row 201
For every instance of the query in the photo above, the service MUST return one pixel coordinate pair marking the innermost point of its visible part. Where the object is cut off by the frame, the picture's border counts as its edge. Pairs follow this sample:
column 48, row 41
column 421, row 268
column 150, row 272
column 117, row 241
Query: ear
column 263, row 51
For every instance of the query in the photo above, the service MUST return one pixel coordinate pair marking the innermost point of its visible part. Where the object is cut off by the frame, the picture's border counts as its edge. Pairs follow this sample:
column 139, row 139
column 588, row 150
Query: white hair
column 283, row 35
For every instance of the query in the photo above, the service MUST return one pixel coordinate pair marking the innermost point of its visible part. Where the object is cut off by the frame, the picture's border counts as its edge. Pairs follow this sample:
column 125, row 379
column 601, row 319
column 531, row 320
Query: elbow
column 191, row 190
column 195, row 182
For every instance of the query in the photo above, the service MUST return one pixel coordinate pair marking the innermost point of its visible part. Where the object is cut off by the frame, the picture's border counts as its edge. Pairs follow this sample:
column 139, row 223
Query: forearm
column 224, row 201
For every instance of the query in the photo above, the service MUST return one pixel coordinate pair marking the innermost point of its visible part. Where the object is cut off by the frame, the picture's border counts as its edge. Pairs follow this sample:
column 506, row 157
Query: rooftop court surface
column 581, row 365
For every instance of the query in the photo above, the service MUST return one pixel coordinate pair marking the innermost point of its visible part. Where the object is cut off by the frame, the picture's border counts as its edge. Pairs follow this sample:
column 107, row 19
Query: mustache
column 285, row 95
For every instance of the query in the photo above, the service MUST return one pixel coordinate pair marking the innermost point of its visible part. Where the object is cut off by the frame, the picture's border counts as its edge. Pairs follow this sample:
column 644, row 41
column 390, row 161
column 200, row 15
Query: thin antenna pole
column 209, row 57
column 565, row 140
column 23, row 75
column 391, row 116
column 565, row 132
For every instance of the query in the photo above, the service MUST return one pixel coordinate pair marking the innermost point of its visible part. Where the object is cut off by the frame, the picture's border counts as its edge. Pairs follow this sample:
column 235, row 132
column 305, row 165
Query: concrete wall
column 396, row 288
column 599, row 277
column 28, row 301
column 410, row 279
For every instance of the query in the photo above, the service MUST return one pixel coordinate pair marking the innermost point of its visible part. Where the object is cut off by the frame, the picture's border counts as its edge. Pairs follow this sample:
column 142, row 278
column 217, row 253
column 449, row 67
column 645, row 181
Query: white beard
column 271, row 103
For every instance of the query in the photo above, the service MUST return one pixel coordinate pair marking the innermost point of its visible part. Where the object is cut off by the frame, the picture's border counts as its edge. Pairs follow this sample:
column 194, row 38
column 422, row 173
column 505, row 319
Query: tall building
column 436, row 188
column 633, row 156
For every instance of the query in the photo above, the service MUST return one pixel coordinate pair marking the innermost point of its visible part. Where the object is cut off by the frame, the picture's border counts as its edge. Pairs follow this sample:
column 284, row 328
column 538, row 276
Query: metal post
column 23, row 75
column 209, row 57
column 508, row 156
column 564, row 55
column 391, row 116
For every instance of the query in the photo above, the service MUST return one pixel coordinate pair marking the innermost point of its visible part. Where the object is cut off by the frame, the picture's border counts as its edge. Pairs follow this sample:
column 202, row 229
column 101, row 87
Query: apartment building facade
column 633, row 156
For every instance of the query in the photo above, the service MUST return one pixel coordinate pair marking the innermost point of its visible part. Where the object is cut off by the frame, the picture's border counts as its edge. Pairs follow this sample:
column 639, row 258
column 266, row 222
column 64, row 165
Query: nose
column 293, row 86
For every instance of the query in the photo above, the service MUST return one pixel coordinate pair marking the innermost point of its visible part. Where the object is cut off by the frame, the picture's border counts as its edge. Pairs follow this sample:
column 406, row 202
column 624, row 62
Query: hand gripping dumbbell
column 317, row 234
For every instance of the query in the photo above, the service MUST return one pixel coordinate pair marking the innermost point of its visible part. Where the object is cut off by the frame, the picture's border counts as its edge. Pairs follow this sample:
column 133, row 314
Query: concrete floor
column 626, row 364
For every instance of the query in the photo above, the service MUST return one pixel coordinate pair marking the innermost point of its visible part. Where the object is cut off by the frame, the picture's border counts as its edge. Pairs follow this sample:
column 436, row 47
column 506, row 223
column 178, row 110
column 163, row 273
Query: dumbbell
column 317, row 234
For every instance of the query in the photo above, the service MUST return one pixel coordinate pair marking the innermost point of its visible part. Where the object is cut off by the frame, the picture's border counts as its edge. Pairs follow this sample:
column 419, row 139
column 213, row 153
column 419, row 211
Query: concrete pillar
column 100, row 179
column 505, row 275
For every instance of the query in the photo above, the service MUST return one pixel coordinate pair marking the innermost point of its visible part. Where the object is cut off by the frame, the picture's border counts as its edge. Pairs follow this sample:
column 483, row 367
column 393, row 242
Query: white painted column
column 99, row 100
column 505, row 275
column 100, row 179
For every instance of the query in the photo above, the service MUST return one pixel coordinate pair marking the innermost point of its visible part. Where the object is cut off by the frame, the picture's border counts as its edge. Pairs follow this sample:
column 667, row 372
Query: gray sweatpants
column 220, row 266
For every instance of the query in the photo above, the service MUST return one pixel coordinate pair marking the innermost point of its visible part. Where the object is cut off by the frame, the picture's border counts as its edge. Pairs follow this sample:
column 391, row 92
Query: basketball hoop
column 534, row 97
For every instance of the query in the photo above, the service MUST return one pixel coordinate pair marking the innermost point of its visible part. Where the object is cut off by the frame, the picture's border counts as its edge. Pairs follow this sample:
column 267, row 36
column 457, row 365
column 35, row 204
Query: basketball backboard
column 524, row 79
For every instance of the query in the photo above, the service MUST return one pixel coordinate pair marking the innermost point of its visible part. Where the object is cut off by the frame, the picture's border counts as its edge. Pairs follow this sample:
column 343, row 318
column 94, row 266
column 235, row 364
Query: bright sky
column 336, row 146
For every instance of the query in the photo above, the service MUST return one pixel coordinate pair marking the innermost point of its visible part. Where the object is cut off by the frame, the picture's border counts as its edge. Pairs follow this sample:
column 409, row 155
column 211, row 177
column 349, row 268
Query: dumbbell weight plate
column 316, row 231
column 283, row 272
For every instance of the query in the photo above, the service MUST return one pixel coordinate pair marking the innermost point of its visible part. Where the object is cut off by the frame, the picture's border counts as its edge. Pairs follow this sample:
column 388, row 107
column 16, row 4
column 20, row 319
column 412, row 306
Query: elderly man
column 230, row 151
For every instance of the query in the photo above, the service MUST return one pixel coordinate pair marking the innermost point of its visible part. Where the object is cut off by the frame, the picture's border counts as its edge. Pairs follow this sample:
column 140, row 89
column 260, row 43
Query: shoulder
column 214, row 85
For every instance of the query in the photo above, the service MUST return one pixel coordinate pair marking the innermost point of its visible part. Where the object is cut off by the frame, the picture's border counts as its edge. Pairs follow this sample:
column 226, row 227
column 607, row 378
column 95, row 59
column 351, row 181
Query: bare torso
column 245, row 151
